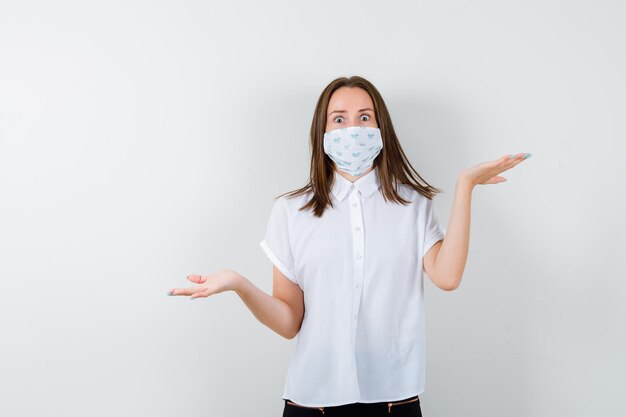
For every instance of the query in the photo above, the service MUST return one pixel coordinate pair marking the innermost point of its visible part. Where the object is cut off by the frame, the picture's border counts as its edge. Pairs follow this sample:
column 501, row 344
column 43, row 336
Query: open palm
column 488, row 172
column 217, row 282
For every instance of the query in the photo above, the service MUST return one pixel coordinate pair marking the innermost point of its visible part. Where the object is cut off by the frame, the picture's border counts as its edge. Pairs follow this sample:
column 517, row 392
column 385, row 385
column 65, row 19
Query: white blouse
column 360, row 268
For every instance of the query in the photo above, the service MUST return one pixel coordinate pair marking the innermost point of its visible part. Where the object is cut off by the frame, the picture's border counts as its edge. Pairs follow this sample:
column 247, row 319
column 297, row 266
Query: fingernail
column 170, row 293
column 511, row 156
column 527, row 155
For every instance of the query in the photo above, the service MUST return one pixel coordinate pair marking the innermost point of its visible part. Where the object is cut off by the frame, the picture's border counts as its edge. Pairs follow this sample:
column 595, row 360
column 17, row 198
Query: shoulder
column 291, row 205
column 417, row 199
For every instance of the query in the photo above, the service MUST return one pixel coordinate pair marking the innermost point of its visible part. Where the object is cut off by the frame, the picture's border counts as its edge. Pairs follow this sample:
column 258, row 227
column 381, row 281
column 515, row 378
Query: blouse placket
column 358, row 254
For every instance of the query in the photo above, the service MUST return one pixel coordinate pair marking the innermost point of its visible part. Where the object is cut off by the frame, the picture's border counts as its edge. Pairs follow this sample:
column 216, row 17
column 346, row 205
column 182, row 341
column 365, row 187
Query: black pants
column 408, row 407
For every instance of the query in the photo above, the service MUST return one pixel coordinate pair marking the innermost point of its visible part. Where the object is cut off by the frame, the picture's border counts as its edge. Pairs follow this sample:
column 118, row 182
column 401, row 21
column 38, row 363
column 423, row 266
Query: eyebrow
column 343, row 111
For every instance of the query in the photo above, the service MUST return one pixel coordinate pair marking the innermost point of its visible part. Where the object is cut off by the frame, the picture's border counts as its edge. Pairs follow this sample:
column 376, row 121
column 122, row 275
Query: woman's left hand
column 487, row 172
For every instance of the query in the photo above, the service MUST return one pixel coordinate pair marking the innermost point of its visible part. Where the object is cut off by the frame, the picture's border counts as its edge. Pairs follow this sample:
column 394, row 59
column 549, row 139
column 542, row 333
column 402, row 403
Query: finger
column 516, row 160
column 518, row 157
column 504, row 161
column 199, row 294
column 507, row 162
column 512, row 159
column 187, row 291
column 495, row 180
column 510, row 163
column 196, row 278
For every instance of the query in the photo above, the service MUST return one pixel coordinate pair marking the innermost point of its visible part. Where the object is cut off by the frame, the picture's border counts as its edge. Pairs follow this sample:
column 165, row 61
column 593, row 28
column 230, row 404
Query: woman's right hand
column 220, row 281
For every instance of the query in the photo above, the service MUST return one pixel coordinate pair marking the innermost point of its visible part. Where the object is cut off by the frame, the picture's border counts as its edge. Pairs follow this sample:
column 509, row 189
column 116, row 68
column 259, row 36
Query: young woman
column 348, row 251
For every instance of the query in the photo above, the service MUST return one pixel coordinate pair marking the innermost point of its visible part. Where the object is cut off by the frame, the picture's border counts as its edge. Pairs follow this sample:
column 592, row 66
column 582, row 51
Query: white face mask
column 353, row 148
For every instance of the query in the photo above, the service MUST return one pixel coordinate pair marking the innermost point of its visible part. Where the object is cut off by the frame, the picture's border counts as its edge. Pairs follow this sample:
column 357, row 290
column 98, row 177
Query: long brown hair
column 393, row 165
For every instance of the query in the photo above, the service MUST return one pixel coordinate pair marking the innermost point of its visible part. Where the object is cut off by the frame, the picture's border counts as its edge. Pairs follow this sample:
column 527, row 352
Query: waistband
column 388, row 404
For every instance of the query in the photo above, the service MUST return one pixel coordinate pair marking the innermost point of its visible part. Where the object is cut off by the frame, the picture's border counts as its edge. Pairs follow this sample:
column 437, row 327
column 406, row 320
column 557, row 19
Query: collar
column 367, row 184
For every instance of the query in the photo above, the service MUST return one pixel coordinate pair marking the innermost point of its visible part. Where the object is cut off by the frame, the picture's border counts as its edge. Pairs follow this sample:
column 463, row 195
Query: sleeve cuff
column 439, row 236
column 277, row 262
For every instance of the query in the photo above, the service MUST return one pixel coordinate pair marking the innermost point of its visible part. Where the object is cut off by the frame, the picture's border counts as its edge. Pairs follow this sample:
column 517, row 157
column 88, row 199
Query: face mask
column 353, row 148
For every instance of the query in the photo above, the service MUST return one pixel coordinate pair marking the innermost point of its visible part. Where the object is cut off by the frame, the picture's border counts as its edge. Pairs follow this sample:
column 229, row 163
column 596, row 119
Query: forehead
column 349, row 98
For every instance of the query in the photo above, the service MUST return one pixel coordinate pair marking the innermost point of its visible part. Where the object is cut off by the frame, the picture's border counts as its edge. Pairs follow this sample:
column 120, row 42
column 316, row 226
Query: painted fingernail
column 527, row 155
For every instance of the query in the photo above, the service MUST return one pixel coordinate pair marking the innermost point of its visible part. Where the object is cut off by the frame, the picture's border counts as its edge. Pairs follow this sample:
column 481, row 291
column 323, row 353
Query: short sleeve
column 276, row 243
column 433, row 230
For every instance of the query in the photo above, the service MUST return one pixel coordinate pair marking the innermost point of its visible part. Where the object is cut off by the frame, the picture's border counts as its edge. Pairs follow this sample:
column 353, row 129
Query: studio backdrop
column 144, row 141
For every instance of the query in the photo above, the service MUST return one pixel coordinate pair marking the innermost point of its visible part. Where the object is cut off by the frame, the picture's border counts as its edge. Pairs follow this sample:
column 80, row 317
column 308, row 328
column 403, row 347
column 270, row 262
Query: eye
column 365, row 115
column 338, row 117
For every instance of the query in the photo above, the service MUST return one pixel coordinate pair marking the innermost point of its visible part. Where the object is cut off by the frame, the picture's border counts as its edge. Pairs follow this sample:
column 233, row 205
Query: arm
column 445, row 261
column 283, row 312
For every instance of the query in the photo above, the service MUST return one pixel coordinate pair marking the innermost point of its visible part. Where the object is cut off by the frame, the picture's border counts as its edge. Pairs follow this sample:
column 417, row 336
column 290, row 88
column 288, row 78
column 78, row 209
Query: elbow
column 287, row 334
column 450, row 284
column 291, row 334
column 450, row 288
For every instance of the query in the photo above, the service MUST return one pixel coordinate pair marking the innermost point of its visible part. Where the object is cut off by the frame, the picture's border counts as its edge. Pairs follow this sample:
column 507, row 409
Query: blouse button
column 353, row 204
column 358, row 256
column 357, row 228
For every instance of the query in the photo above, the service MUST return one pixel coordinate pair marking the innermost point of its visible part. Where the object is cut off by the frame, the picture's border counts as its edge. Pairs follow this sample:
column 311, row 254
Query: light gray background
column 142, row 141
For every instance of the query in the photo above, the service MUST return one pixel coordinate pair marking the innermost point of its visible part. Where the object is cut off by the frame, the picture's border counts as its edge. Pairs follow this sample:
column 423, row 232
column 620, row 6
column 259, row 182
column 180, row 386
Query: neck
column 353, row 178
